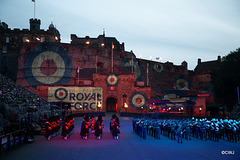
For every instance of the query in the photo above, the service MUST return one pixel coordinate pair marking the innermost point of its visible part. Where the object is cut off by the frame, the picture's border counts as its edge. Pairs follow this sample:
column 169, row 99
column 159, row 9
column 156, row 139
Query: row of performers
column 97, row 126
column 53, row 124
column 203, row 129
column 52, row 127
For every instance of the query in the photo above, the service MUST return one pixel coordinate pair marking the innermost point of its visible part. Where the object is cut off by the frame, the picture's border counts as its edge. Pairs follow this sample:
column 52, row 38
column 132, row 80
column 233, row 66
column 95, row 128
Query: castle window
column 25, row 39
column 7, row 39
column 42, row 39
column 4, row 50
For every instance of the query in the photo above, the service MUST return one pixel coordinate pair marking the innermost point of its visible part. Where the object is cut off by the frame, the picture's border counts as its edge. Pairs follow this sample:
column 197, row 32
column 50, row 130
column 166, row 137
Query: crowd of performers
column 97, row 126
column 52, row 127
column 203, row 129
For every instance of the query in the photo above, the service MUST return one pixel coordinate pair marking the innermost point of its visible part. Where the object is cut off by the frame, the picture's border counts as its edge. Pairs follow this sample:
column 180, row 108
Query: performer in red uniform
column 115, row 127
column 112, row 122
column 99, row 127
column 93, row 122
column 65, row 127
column 48, row 129
column 85, row 127
column 71, row 124
column 58, row 124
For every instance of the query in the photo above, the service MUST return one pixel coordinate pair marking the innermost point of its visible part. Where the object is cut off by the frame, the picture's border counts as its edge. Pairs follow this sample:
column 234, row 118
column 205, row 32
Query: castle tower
column 35, row 24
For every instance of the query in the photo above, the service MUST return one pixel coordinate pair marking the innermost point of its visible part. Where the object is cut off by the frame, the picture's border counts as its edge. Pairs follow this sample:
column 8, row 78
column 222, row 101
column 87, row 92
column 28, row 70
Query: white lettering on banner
column 81, row 98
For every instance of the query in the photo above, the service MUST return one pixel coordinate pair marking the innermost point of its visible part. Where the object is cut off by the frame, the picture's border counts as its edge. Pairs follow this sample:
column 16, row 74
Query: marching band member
column 48, row 129
column 93, row 122
column 85, row 127
column 112, row 122
column 179, row 132
column 65, row 128
column 71, row 124
column 115, row 128
column 99, row 127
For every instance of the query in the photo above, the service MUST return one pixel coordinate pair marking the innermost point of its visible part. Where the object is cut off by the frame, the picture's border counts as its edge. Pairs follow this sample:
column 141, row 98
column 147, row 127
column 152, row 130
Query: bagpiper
column 85, row 127
column 115, row 128
column 93, row 122
column 99, row 127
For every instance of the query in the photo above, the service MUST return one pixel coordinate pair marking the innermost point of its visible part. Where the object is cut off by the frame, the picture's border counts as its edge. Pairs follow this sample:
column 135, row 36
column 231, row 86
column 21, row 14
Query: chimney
column 219, row 58
column 199, row 61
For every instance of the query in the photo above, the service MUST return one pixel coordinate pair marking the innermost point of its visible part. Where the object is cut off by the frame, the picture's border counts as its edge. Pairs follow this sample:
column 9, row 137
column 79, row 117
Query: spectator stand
column 21, row 114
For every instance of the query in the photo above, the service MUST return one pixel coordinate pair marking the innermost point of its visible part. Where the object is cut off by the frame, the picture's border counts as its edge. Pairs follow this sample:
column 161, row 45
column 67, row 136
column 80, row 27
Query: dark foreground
column 128, row 147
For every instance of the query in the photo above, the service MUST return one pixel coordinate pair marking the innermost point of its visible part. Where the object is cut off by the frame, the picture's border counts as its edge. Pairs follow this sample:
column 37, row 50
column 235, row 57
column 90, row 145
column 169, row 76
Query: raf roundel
column 158, row 67
column 138, row 100
column 45, row 74
column 61, row 94
column 47, row 63
column 181, row 83
column 112, row 79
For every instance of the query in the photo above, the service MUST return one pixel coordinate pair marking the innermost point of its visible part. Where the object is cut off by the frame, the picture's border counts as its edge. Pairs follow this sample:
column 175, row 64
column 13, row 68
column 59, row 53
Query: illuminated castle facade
column 98, row 74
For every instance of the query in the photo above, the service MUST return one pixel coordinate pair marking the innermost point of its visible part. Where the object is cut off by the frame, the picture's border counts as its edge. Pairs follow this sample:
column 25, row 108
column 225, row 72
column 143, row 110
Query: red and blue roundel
column 47, row 63
column 158, row 67
column 61, row 94
column 138, row 100
column 181, row 83
column 112, row 79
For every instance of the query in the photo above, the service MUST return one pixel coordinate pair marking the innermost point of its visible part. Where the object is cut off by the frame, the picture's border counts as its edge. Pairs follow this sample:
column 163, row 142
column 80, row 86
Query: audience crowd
column 19, row 107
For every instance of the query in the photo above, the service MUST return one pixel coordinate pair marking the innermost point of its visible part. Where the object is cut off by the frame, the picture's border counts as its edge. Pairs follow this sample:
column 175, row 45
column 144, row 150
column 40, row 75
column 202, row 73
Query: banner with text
column 81, row 98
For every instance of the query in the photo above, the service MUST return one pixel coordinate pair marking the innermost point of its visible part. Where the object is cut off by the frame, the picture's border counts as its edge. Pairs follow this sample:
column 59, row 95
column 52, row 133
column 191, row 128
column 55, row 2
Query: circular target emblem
column 112, row 79
column 181, row 83
column 138, row 100
column 61, row 94
column 47, row 63
column 158, row 67
column 48, row 67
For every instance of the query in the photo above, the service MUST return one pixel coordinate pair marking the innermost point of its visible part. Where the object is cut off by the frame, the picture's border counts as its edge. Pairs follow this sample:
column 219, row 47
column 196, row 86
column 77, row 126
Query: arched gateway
column 111, row 104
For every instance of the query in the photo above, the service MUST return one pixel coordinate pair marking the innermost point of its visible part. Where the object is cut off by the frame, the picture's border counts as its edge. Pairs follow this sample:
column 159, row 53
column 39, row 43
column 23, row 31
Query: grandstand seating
column 18, row 106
